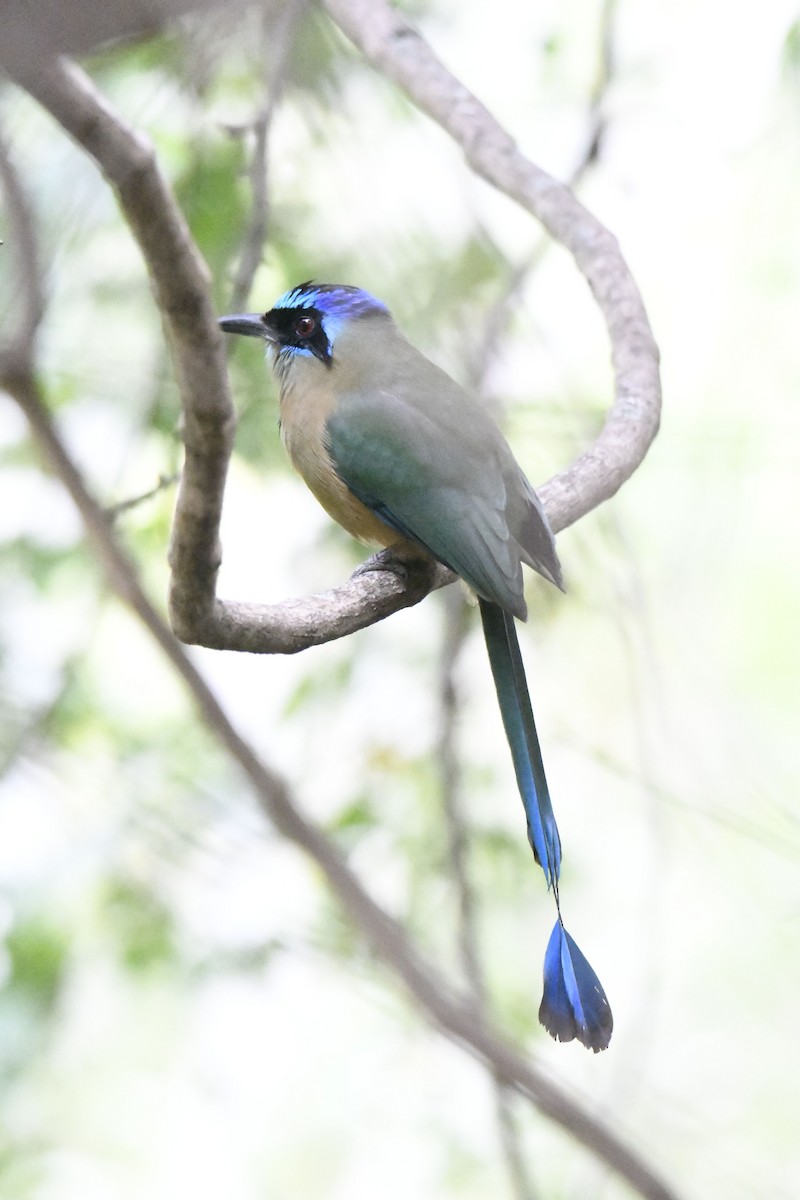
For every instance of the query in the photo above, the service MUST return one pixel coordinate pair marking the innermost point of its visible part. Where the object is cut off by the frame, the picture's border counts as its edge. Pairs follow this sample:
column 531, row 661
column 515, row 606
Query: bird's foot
column 415, row 572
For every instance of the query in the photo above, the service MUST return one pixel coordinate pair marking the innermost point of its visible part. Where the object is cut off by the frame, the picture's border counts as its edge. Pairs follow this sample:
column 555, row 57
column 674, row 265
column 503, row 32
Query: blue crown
column 334, row 299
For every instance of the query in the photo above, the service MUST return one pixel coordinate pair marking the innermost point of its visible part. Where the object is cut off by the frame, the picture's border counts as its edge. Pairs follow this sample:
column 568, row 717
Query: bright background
column 182, row 1010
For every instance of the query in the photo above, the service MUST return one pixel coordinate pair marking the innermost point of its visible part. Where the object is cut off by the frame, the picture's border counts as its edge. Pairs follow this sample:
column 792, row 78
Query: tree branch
column 180, row 281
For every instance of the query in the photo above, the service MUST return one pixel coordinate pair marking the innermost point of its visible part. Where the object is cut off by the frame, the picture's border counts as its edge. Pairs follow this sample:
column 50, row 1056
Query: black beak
column 250, row 324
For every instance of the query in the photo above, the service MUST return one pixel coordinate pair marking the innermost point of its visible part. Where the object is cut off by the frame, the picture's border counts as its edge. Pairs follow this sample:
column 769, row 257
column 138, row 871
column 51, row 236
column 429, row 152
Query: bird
column 401, row 455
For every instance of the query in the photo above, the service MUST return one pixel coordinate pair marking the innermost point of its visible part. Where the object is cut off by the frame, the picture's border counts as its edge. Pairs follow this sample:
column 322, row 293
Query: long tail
column 515, row 708
column 574, row 1004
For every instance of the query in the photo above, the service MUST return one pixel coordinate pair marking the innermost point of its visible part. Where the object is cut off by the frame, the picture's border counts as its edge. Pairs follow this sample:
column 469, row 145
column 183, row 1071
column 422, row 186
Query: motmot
column 401, row 455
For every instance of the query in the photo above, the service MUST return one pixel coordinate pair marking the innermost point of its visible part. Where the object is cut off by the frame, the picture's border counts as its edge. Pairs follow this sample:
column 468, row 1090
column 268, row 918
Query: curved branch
column 400, row 53
column 180, row 281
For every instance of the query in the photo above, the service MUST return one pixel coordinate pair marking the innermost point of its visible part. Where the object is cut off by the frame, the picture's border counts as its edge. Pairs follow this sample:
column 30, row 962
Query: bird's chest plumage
column 306, row 405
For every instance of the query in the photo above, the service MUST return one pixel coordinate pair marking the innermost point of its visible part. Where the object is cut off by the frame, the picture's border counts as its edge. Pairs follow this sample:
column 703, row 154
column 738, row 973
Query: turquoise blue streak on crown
column 332, row 299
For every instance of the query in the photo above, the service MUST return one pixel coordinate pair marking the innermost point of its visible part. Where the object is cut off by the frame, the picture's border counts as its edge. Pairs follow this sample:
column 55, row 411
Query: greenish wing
column 435, row 475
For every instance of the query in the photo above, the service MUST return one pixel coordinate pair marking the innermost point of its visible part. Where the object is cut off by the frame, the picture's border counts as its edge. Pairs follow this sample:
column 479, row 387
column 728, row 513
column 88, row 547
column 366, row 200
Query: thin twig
column 456, row 626
column 603, row 80
column 164, row 481
column 278, row 32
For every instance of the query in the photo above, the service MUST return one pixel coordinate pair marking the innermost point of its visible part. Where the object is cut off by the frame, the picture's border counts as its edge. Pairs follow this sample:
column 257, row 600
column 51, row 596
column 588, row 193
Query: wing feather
column 433, row 465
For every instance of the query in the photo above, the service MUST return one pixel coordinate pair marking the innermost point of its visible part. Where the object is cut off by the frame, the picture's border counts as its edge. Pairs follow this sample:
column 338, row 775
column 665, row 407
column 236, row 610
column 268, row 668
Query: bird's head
column 307, row 321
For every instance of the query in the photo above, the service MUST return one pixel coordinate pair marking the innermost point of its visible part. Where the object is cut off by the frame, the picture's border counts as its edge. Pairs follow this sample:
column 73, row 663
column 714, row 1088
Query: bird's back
column 420, row 451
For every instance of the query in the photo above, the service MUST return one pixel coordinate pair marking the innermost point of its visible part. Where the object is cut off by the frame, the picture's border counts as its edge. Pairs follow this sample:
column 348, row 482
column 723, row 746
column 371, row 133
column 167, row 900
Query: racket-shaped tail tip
column 574, row 1004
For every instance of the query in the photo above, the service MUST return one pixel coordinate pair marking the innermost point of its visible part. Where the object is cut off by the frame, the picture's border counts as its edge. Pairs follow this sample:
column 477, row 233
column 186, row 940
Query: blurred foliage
column 37, row 955
column 211, row 192
column 791, row 50
column 141, row 926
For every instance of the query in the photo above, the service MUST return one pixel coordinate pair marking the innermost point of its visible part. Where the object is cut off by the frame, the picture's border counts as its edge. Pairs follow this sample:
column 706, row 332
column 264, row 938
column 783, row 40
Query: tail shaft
column 515, row 708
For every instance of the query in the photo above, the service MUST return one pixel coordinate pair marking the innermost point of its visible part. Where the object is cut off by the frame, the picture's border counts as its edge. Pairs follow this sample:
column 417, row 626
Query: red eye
column 305, row 326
